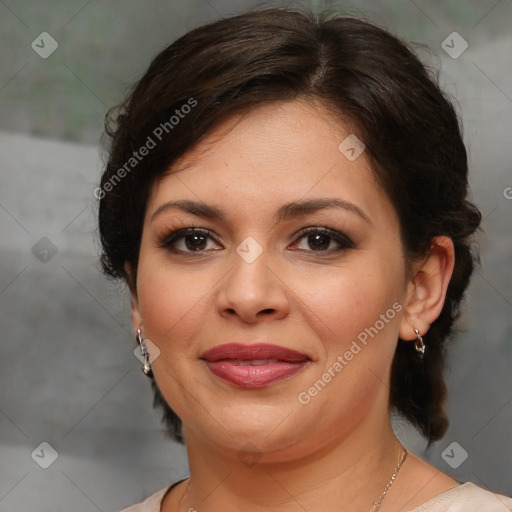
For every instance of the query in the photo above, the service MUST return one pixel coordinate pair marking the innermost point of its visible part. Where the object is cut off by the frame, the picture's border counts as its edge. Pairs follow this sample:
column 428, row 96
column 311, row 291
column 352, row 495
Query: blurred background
column 69, row 378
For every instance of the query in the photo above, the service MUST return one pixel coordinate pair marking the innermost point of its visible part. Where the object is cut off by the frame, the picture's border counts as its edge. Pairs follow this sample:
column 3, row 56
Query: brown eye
column 187, row 241
column 195, row 242
column 321, row 240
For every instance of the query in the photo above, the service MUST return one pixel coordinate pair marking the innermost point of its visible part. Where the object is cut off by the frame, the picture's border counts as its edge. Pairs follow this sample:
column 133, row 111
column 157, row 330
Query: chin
column 271, row 434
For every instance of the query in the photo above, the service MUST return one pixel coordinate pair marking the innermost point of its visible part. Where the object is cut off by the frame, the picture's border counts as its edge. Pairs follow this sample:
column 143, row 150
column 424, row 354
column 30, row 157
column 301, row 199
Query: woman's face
column 291, row 243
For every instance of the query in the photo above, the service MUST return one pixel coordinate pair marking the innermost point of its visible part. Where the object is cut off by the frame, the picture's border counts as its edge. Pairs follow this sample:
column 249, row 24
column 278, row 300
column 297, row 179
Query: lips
column 254, row 366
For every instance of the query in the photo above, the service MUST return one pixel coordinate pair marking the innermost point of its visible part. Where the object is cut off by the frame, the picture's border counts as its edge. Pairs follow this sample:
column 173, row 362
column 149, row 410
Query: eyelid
column 339, row 237
column 343, row 241
column 165, row 241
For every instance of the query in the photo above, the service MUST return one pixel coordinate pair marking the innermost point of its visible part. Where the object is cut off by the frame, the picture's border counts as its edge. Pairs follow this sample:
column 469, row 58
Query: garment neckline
column 165, row 492
column 432, row 500
column 443, row 495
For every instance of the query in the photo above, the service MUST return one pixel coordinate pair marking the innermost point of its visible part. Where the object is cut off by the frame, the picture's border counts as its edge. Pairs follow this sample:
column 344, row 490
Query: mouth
column 254, row 366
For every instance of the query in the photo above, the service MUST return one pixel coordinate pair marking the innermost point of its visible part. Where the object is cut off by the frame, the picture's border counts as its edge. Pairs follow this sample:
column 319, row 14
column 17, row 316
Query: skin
column 316, row 456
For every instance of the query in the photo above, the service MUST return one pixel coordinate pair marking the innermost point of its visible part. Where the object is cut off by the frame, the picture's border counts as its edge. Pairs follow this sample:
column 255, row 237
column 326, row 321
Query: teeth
column 256, row 362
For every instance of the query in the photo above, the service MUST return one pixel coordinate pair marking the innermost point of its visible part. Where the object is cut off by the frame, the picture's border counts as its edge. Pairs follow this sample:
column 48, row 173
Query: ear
column 426, row 289
column 136, row 316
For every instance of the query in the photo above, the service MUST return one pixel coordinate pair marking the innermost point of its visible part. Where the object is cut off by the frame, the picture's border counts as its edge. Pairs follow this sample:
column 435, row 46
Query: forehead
column 271, row 155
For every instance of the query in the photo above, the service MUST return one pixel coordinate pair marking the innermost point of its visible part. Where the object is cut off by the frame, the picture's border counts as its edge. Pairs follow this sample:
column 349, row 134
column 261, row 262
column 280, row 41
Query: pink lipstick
column 254, row 366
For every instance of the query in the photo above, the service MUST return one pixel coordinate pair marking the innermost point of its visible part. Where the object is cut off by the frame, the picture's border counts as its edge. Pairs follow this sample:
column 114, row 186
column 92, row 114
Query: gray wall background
column 68, row 375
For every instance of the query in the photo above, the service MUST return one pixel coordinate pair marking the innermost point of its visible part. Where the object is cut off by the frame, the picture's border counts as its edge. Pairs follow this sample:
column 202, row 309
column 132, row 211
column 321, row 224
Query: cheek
column 356, row 318
column 171, row 300
column 345, row 301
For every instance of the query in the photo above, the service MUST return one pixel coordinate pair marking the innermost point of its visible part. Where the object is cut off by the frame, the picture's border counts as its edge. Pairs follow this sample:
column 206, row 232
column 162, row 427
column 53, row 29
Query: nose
column 253, row 291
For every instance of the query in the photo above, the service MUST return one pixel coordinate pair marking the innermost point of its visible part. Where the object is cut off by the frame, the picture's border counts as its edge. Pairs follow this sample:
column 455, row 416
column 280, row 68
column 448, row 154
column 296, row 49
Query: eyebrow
column 286, row 211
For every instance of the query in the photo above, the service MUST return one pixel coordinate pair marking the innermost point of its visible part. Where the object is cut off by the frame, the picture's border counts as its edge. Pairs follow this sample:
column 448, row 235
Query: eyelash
column 343, row 241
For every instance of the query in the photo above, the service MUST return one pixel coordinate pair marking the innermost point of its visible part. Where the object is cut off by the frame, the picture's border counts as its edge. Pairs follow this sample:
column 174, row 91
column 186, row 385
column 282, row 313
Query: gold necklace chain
column 378, row 502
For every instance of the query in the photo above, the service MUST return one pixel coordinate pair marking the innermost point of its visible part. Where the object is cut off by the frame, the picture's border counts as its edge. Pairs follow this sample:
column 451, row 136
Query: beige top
column 467, row 497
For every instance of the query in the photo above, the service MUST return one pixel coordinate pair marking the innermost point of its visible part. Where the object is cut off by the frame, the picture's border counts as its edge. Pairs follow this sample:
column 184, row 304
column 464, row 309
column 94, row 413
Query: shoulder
column 154, row 502
column 467, row 497
column 151, row 504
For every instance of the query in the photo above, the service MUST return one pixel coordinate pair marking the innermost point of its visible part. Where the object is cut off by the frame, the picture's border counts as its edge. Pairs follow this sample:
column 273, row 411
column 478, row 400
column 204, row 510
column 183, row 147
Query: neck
column 348, row 474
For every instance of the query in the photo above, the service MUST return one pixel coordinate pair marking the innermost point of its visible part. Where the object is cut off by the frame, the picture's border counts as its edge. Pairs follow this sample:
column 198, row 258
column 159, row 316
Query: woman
column 286, row 197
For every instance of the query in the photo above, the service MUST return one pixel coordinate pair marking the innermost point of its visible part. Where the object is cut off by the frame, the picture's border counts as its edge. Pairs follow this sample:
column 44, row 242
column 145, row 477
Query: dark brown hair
column 359, row 72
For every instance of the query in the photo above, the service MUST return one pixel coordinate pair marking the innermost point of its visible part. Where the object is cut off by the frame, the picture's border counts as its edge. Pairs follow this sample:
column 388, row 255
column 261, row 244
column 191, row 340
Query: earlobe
column 132, row 285
column 427, row 288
